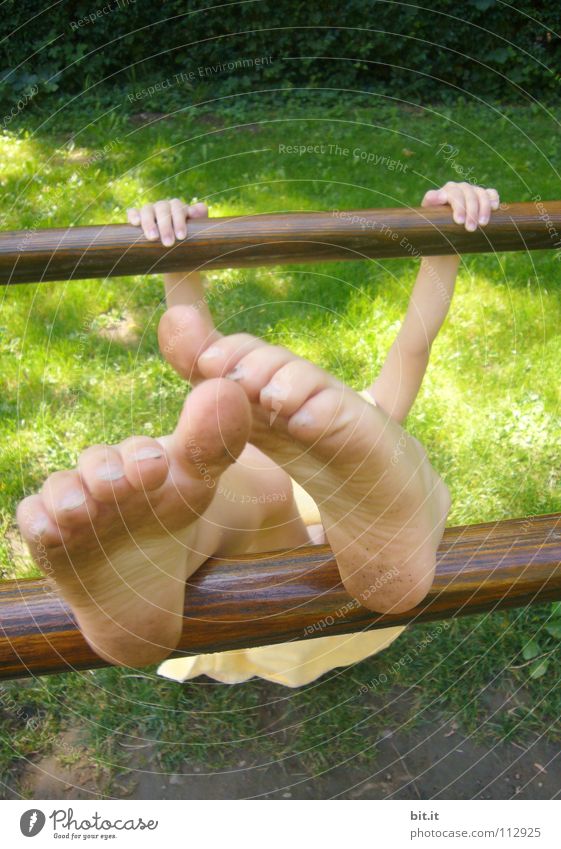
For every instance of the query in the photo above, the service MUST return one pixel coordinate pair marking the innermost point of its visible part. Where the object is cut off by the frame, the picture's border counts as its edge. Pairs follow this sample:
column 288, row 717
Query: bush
column 480, row 48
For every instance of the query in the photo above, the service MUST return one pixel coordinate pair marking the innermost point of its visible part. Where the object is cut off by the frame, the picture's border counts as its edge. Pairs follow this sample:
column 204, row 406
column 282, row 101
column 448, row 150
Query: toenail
column 147, row 454
column 211, row 353
column 39, row 526
column 237, row 373
column 274, row 391
column 110, row 473
column 72, row 500
column 302, row 419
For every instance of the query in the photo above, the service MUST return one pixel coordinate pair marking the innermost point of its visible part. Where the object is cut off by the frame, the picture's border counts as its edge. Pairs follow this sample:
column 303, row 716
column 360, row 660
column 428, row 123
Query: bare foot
column 120, row 534
column 382, row 505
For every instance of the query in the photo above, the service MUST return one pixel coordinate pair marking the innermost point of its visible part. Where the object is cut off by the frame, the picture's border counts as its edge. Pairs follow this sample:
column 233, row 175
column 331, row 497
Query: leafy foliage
column 478, row 49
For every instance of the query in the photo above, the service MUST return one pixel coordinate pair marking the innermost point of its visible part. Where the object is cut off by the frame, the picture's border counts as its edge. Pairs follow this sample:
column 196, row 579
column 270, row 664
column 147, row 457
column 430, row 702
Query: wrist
column 448, row 261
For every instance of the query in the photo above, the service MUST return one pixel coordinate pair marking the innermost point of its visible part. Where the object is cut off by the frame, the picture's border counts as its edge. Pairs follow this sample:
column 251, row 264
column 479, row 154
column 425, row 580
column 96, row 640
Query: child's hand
column 166, row 219
column 471, row 205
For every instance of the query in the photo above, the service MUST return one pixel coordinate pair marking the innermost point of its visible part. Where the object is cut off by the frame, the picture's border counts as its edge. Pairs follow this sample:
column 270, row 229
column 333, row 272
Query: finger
column 197, row 210
column 484, row 206
column 434, row 197
column 133, row 216
column 471, row 201
column 178, row 216
column 494, row 198
column 165, row 224
column 455, row 197
column 148, row 221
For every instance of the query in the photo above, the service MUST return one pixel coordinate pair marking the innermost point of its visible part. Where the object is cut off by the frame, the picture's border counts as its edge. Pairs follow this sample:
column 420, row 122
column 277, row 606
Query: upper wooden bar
column 265, row 599
column 73, row 253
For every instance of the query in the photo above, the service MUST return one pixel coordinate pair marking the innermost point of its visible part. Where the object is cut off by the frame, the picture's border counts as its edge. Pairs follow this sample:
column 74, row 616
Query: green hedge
column 483, row 48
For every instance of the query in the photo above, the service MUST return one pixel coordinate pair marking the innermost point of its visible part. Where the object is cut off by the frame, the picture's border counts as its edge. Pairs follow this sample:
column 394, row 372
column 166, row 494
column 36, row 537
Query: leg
column 382, row 505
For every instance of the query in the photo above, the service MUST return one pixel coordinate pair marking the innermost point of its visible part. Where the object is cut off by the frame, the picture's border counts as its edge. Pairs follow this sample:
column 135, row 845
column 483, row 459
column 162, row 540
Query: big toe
column 213, row 429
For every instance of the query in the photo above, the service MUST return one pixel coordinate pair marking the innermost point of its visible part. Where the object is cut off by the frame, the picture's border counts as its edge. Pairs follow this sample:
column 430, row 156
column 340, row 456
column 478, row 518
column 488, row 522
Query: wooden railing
column 73, row 253
column 282, row 596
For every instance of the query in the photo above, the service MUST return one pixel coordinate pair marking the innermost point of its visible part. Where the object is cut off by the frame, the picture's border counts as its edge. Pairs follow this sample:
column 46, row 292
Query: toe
column 292, row 385
column 213, row 429
column 255, row 369
column 145, row 463
column 102, row 470
column 223, row 358
column 67, row 500
column 37, row 528
column 183, row 334
column 333, row 424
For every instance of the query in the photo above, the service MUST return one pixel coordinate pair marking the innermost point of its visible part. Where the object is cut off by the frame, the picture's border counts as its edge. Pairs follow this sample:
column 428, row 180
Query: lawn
column 80, row 364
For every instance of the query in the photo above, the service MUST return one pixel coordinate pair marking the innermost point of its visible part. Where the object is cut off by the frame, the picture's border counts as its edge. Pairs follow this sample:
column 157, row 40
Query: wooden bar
column 73, row 253
column 266, row 599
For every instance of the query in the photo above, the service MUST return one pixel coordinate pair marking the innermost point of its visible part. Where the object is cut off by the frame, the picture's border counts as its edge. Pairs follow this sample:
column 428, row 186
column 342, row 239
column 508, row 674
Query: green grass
column 488, row 412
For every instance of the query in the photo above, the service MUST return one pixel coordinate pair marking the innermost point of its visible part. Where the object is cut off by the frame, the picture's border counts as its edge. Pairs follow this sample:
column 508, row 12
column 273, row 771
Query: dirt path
column 420, row 764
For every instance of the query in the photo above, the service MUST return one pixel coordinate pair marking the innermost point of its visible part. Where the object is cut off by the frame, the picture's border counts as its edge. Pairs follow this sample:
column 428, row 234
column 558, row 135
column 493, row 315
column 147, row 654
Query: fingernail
column 302, row 419
column 110, row 473
column 72, row 500
column 167, row 242
column 483, row 219
column 153, row 234
column 471, row 226
column 460, row 218
column 181, row 234
column 237, row 373
column 211, row 353
column 147, row 454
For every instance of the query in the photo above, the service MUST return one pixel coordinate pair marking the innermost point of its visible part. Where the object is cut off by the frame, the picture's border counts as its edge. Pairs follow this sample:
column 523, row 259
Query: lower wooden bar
column 280, row 596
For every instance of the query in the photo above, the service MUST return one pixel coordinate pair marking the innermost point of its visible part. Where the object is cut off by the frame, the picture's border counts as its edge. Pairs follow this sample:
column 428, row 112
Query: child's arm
column 167, row 220
column 399, row 381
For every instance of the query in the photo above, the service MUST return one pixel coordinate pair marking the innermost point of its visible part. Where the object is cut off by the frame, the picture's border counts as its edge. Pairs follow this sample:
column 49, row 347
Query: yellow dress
column 292, row 664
